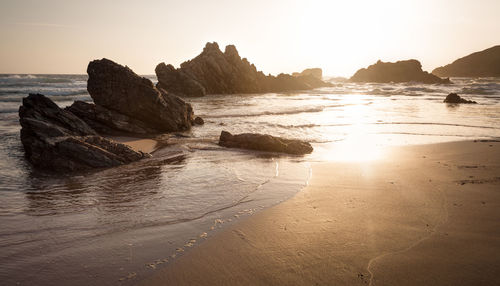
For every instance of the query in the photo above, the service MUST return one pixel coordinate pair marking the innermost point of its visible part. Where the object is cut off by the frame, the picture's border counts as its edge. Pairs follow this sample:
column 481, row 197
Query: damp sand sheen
column 423, row 215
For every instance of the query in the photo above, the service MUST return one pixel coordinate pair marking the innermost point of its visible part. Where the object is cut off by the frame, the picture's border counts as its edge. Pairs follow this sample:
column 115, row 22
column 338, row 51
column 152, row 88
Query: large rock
column 401, row 71
column 264, row 142
column 107, row 121
column 119, row 89
column 177, row 81
column 455, row 98
column 55, row 139
column 480, row 64
column 227, row 73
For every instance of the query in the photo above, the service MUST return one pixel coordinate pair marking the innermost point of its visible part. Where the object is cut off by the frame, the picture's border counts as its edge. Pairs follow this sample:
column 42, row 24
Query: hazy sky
column 53, row 36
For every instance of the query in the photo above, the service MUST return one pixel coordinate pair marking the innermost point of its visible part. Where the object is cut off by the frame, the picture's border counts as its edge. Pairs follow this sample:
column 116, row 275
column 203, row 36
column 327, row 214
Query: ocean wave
column 313, row 125
column 49, row 92
column 478, row 90
column 284, row 112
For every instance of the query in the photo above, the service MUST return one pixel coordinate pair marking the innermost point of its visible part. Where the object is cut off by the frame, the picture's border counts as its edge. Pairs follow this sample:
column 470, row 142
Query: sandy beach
column 421, row 215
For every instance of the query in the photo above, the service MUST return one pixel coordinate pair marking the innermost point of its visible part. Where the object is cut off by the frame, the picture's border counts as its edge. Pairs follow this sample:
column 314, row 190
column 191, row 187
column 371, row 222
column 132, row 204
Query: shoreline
column 422, row 215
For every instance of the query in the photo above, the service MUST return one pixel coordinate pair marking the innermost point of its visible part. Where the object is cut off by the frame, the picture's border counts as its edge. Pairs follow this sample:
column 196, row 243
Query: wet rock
column 177, row 81
column 106, row 121
column 264, row 142
column 119, row 89
column 455, row 98
column 57, row 140
column 401, row 71
column 199, row 121
column 227, row 73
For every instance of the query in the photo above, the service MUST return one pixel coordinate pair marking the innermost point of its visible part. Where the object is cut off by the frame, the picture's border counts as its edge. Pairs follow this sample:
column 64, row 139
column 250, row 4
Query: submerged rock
column 199, row 121
column 264, row 142
column 401, row 71
column 455, row 98
column 480, row 64
column 57, row 140
column 119, row 89
column 227, row 73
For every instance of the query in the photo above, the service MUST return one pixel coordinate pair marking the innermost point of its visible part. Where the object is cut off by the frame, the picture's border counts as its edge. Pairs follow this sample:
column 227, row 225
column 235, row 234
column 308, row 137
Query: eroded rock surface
column 119, row 89
column 57, row 140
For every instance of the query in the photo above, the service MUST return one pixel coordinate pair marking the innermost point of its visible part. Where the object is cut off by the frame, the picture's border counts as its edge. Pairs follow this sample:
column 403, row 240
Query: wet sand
column 138, row 144
column 423, row 215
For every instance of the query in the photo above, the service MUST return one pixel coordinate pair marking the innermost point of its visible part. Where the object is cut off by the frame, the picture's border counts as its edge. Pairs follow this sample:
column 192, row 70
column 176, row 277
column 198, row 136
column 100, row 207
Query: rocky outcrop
column 177, row 81
column 264, row 142
column 227, row 73
column 107, row 121
column 120, row 90
column 57, row 140
column 401, row 71
column 455, row 98
column 480, row 64
column 315, row 72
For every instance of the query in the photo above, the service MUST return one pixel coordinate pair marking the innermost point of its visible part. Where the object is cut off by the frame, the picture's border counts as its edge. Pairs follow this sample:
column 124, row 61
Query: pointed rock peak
column 231, row 51
column 162, row 66
column 211, row 47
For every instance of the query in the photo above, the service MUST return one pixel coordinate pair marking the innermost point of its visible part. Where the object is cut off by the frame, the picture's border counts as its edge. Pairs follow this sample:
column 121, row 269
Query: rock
column 455, row 98
column 401, row 71
column 177, row 81
column 480, row 64
column 199, row 121
column 106, row 121
column 227, row 73
column 55, row 139
column 314, row 72
column 264, row 142
column 119, row 89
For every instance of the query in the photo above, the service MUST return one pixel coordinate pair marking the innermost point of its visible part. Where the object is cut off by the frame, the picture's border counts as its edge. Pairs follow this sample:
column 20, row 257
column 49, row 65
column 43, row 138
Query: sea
column 117, row 226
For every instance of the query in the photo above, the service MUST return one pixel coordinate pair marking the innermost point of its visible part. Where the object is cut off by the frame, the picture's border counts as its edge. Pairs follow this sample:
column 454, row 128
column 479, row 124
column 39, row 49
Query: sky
column 62, row 36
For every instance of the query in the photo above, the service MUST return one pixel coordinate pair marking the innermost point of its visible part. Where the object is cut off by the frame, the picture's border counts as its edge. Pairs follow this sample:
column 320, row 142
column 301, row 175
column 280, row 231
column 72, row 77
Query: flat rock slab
column 264, row 142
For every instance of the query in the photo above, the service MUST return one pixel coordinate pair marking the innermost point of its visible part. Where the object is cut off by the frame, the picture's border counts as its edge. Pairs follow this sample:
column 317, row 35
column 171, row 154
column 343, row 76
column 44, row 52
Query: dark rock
column 177, row 81
column 455, row 98
column 199, row 121
column 106, row 121
column 55, row 139
column 264, row 142
column 480, row 64
column 401, row 71
column 227, row 73
column 119, row 89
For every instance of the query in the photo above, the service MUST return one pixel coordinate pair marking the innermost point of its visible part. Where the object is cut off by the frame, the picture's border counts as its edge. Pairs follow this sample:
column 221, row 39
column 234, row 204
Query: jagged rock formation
column 455, row 98
column 226, row 73
column 401, row 71
column 57, row 140
column 264, row 142
column 125, row 104
column 119, row 89
column 480, row 64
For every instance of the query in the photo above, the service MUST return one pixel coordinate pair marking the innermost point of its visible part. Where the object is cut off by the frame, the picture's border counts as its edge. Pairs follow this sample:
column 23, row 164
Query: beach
column 418, row 215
